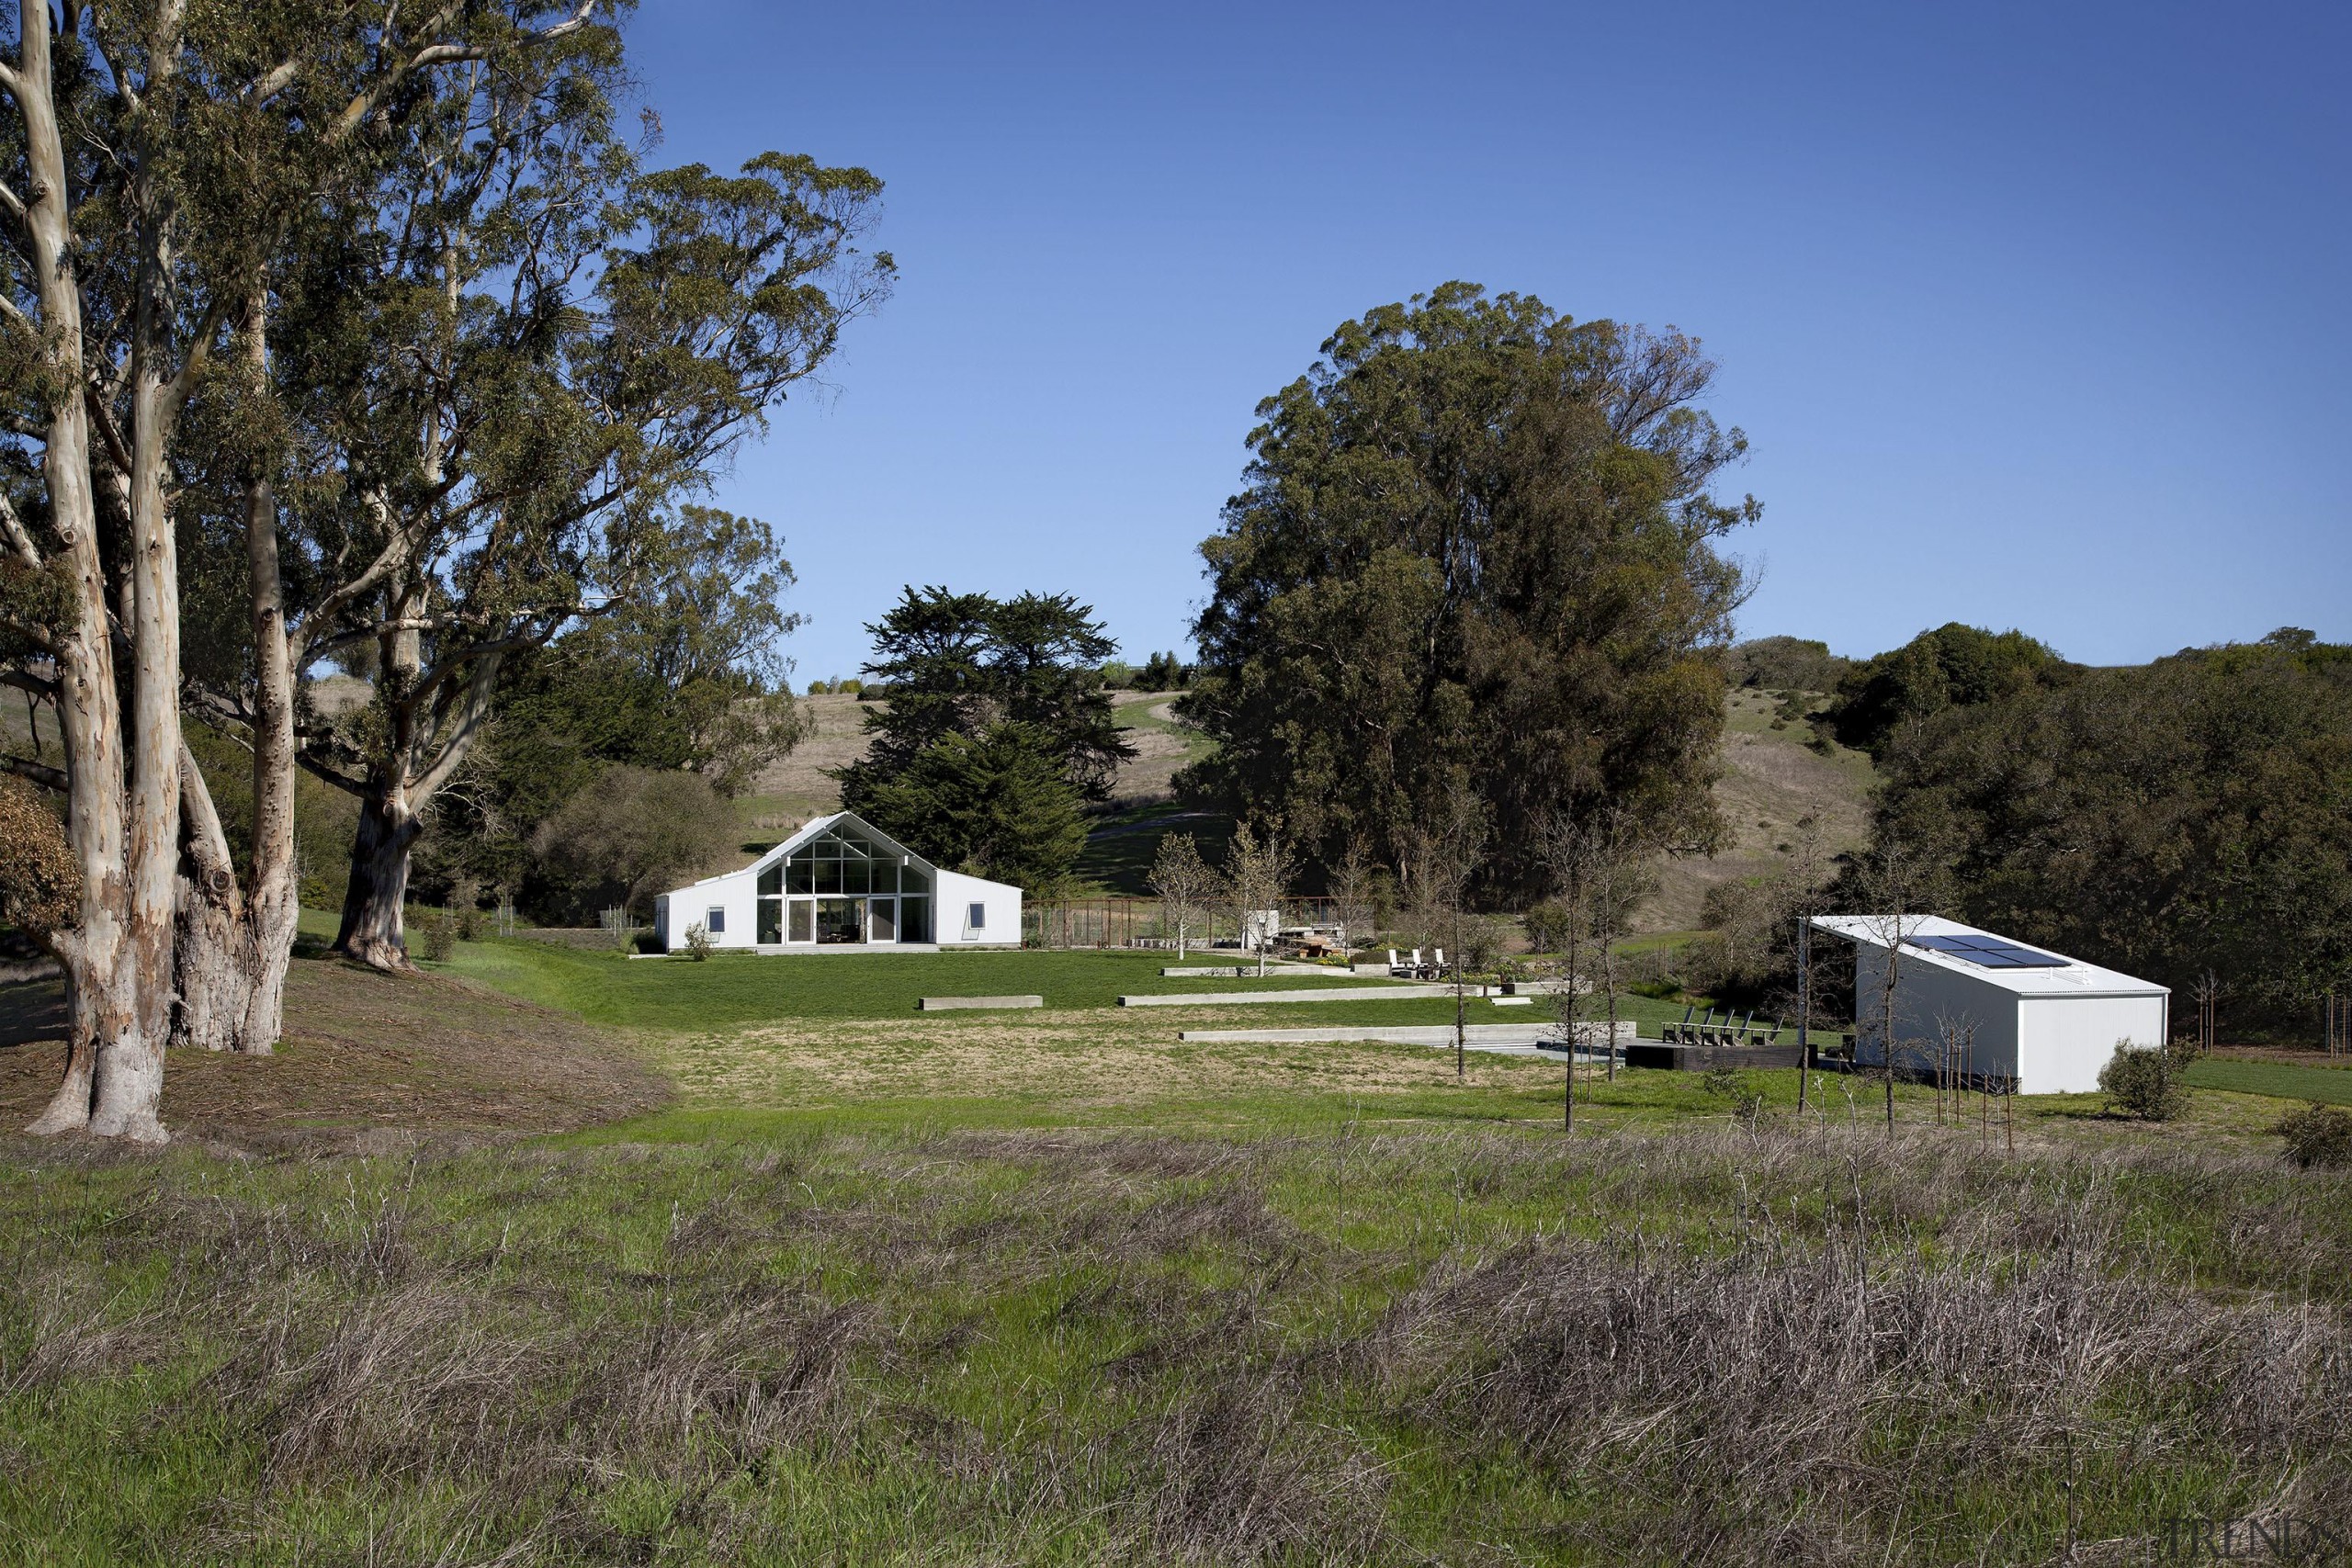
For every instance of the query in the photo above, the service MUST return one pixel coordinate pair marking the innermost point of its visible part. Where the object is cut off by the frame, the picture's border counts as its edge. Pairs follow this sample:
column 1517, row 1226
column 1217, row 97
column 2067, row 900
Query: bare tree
column 1258, row 874
column 1441, row 856
column 1600, row 872
column 1354, row 894
column 1186, row 884
column 1895, row 880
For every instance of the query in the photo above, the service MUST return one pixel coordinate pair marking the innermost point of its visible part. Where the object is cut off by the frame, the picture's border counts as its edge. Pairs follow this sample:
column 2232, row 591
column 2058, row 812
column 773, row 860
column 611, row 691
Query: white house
column 841, row 881
column 2012, row 1010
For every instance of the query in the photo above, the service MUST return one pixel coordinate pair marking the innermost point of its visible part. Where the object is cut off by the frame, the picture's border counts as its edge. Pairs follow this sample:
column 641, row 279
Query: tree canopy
column 1952, row 666
column 518, row 356
column 1475, row 541
column 997, row 727
column 2187, row 815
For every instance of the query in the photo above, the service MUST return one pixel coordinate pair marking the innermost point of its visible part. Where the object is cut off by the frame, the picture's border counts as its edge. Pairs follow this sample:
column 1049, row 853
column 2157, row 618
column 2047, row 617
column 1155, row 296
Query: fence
column 1114, row 921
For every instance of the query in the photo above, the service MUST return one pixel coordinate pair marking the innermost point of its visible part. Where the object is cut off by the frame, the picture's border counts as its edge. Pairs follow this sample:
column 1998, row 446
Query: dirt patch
column 363, row 1051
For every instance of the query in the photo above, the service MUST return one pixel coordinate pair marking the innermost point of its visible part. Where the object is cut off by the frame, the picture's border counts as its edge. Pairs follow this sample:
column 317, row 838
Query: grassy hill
column 1772, row 777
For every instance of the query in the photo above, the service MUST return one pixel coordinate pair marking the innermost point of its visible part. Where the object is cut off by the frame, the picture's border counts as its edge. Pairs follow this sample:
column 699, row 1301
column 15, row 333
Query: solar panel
column 1986, row 952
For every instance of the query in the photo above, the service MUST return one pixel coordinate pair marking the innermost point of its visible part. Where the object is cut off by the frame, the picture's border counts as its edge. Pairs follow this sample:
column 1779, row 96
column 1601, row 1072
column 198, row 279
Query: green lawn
column 676, row 993
column 2283, row 1080
column 736, row 990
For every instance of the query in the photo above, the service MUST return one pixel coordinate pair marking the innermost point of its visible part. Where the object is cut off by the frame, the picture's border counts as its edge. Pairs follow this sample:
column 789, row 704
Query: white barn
column 2049, row 1021
column 841, row 881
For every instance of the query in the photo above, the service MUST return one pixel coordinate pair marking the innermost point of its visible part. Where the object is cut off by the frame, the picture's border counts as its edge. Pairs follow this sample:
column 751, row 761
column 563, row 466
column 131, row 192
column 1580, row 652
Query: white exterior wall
column 2050, row 1044
column 953, row 898
column 951, row 924
column 736, row 893
column 2068, row 1039
column 1926, row 997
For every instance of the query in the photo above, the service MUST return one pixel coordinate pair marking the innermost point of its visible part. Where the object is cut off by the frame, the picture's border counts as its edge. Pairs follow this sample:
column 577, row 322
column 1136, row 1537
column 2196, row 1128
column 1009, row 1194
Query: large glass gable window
column 834, row 888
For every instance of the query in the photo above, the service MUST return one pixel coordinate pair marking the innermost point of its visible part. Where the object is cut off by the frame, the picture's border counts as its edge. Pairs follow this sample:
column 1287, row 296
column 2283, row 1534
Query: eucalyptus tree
column 1476, row 539
column 307, row 146
column 148, row 168
column 525, row 354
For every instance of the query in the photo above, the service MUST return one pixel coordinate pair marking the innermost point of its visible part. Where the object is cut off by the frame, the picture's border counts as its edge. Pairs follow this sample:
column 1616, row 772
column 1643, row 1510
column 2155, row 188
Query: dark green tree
column 972, row 680
column 1952, row 666
column 1786, row 664
column 996, row 805
column 960, row 663
column 2166, row 819
column 1476, row 540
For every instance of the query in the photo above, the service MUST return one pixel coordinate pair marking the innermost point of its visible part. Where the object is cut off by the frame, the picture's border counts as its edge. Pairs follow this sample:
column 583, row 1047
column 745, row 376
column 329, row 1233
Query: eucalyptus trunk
column 372, row 932
column 233, row 949
column 122, row 785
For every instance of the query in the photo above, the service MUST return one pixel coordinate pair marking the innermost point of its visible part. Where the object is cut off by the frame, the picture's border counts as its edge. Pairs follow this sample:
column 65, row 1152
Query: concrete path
column 1320, row 994
column 1396, row 992
column 1504, row 1039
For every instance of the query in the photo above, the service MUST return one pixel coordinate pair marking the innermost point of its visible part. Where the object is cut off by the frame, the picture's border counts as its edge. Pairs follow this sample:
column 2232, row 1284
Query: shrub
column 633, row 832
column 2144, row 1082
column 2318, row 1137
column 41, row 883
column 1548, row 926
column 1482, row 942
column 438, row 933
column 698, row 941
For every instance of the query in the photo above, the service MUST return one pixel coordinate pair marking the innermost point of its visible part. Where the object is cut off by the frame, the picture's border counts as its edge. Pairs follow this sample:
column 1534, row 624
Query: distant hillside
column 800, row 787
column 1771, row 779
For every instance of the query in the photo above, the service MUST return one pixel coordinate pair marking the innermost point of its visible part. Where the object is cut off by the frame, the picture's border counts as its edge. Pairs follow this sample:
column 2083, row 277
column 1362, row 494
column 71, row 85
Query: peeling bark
column 233, row 951
column 113, row 1078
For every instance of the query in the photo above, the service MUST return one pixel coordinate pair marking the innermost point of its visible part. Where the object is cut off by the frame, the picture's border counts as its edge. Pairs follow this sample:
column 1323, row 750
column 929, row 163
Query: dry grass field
column 1770, row 780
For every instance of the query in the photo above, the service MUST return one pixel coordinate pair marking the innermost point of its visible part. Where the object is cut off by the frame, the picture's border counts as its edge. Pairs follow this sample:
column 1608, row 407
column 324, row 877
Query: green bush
column 698, row 941
column 2318, row 1136
column 2142, row 1082
column 438, row 933
column 1548, row 926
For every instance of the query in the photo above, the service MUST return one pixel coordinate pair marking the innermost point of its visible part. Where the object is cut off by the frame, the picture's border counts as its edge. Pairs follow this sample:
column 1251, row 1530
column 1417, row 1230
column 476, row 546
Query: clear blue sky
column 2035, row 316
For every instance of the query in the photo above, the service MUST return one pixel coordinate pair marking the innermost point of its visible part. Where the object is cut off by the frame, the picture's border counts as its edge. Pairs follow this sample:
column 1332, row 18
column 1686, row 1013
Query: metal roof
column 2073, row 978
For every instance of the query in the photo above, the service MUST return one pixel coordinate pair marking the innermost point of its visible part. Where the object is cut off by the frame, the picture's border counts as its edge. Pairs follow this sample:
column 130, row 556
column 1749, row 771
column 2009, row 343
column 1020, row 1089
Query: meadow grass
column 1053, row 1288
column 2285, row 1080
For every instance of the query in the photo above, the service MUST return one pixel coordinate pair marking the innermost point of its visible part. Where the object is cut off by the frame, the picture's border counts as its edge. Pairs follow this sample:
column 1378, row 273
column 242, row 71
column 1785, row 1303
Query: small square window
column 715, row 922
column 976, row 917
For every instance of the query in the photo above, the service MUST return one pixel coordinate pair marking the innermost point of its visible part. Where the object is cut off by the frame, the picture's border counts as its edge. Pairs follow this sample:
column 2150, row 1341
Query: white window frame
column 714, row 920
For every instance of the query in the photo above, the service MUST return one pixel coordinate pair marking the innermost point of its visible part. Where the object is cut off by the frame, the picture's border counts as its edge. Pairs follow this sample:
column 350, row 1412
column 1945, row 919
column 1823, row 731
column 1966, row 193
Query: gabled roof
column 818, row 825
column 802, row 835
column 2073, row 977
